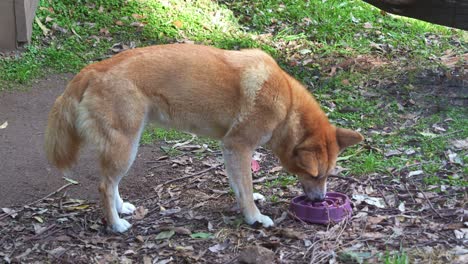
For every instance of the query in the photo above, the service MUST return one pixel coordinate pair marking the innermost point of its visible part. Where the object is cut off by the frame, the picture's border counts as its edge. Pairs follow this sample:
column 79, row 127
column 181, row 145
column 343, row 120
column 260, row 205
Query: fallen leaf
column 291, row 233
column 70, row 180
column 104, row 31
column 375, row 219
column 140, row 213
column 137, row 16
column 401, row 207
column 428, row 134
column 392, row 153
column 461, row 233
column 165, row 235
column 210, row 226
column 119, row 23
column 182, row 230
column 177, row 23
column 201, row 235
column 137, row 24
column 39, row 219
column 219, row 247
column 256, row 255
column 38, row 229
column 129, row 252
column 168, row 212
column 415, row 173
column 10, row 212
column 457, row 143
column 56, row 252
column 56, row 27
column 275, row 169
column 255, row 166
column 78, row 207
column 164, row 261
column 186, row 248
column 367, row 25
column 378, row 202
column 45, row 31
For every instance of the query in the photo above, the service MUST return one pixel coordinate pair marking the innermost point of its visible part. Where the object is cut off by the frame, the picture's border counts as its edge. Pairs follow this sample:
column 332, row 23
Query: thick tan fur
column 242, row 98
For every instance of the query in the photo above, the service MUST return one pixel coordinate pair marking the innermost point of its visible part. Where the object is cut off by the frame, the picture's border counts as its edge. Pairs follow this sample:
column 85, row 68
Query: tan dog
column 242, row 98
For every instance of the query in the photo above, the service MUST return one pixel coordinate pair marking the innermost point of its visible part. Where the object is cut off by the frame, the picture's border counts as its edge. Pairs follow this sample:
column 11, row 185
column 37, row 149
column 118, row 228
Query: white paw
column 121, row 225
column 127, row 208
column 263, row 219
column 258, row 197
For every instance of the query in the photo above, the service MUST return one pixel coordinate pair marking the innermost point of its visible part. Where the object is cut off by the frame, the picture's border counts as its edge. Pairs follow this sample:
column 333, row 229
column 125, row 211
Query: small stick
column 50, row 194
column 346, row 179
column 157, row 166
column 429, row 202
column 193, row 174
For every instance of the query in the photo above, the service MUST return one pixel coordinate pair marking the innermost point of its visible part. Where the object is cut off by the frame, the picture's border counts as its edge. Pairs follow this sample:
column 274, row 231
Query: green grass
column 397, row 258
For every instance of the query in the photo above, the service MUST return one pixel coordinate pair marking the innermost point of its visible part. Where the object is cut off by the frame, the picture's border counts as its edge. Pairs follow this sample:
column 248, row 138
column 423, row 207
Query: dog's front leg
column 237, row 159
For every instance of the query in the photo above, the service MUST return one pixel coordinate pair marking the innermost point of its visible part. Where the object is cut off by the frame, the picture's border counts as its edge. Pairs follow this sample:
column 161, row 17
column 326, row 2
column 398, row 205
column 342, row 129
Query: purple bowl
column 333, row 209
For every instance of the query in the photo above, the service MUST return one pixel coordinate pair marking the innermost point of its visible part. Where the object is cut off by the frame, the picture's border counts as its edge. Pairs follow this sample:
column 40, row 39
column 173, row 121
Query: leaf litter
column 171, row 228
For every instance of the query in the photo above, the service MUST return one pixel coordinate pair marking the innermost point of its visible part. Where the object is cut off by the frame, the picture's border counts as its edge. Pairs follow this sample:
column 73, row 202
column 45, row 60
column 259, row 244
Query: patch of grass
column 346, row 27
column 283, row 180
column 153, row 134
column 396, row 258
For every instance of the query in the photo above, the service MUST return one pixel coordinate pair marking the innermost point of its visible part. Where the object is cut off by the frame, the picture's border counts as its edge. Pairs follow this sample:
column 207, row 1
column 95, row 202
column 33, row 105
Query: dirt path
column 25, row 174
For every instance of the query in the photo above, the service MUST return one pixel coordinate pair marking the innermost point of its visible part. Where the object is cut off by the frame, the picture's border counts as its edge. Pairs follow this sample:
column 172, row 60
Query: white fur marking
column 258, row 197
column 121, row 225
column 127, row 208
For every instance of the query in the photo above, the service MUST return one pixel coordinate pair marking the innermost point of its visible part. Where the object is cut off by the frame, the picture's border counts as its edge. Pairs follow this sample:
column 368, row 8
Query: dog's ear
column 307, row 161
column 346, row 137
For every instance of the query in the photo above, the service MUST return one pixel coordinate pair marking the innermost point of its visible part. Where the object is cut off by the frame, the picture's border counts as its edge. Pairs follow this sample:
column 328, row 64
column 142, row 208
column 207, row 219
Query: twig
column 193, row 174
column 346, row 179
column 383, row 197
column 157, row 166
column 50, row 194
column 411, row 195
column 263, row 179
column 429, row 202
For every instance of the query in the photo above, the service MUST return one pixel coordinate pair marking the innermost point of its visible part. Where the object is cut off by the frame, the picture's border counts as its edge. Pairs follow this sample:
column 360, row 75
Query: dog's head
column 315, row 158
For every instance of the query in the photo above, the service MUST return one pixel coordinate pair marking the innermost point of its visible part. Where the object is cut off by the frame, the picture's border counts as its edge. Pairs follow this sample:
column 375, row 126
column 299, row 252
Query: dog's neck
column 304, row 118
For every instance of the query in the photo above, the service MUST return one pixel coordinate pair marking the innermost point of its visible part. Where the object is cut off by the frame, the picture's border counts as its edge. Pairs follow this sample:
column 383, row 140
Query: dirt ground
column 25, row 174
column 194, row 220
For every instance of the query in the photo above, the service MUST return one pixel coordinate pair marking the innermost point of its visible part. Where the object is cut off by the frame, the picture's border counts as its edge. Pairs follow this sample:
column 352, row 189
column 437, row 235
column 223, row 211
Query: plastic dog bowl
column 333, row 209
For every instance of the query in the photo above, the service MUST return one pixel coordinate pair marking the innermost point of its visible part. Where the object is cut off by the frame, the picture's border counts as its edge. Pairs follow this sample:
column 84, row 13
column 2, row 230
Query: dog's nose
column 316, row 196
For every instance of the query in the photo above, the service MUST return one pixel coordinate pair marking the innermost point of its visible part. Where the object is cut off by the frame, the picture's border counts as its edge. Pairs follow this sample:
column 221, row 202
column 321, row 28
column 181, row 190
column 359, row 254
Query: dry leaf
column 137, row 16
column 10, row 212
column 140, row 213
column 177, row 23
column 291, row 233
column 367, row 25
column 457, row 143
column 104, row 31
column 276, row 169
column 119, row 23
column 255, row 166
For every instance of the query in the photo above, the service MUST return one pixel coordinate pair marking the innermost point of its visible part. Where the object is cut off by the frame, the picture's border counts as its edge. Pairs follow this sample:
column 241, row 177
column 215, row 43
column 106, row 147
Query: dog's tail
column 62, row 138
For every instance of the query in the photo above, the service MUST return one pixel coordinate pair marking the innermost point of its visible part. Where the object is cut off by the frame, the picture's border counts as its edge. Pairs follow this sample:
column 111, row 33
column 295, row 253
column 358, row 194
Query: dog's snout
column 316, row 196
column 314, row 192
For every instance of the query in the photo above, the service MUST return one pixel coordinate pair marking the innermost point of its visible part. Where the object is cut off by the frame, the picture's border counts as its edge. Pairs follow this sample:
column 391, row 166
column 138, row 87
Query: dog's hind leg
column 116, row 159
column 114, row 124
